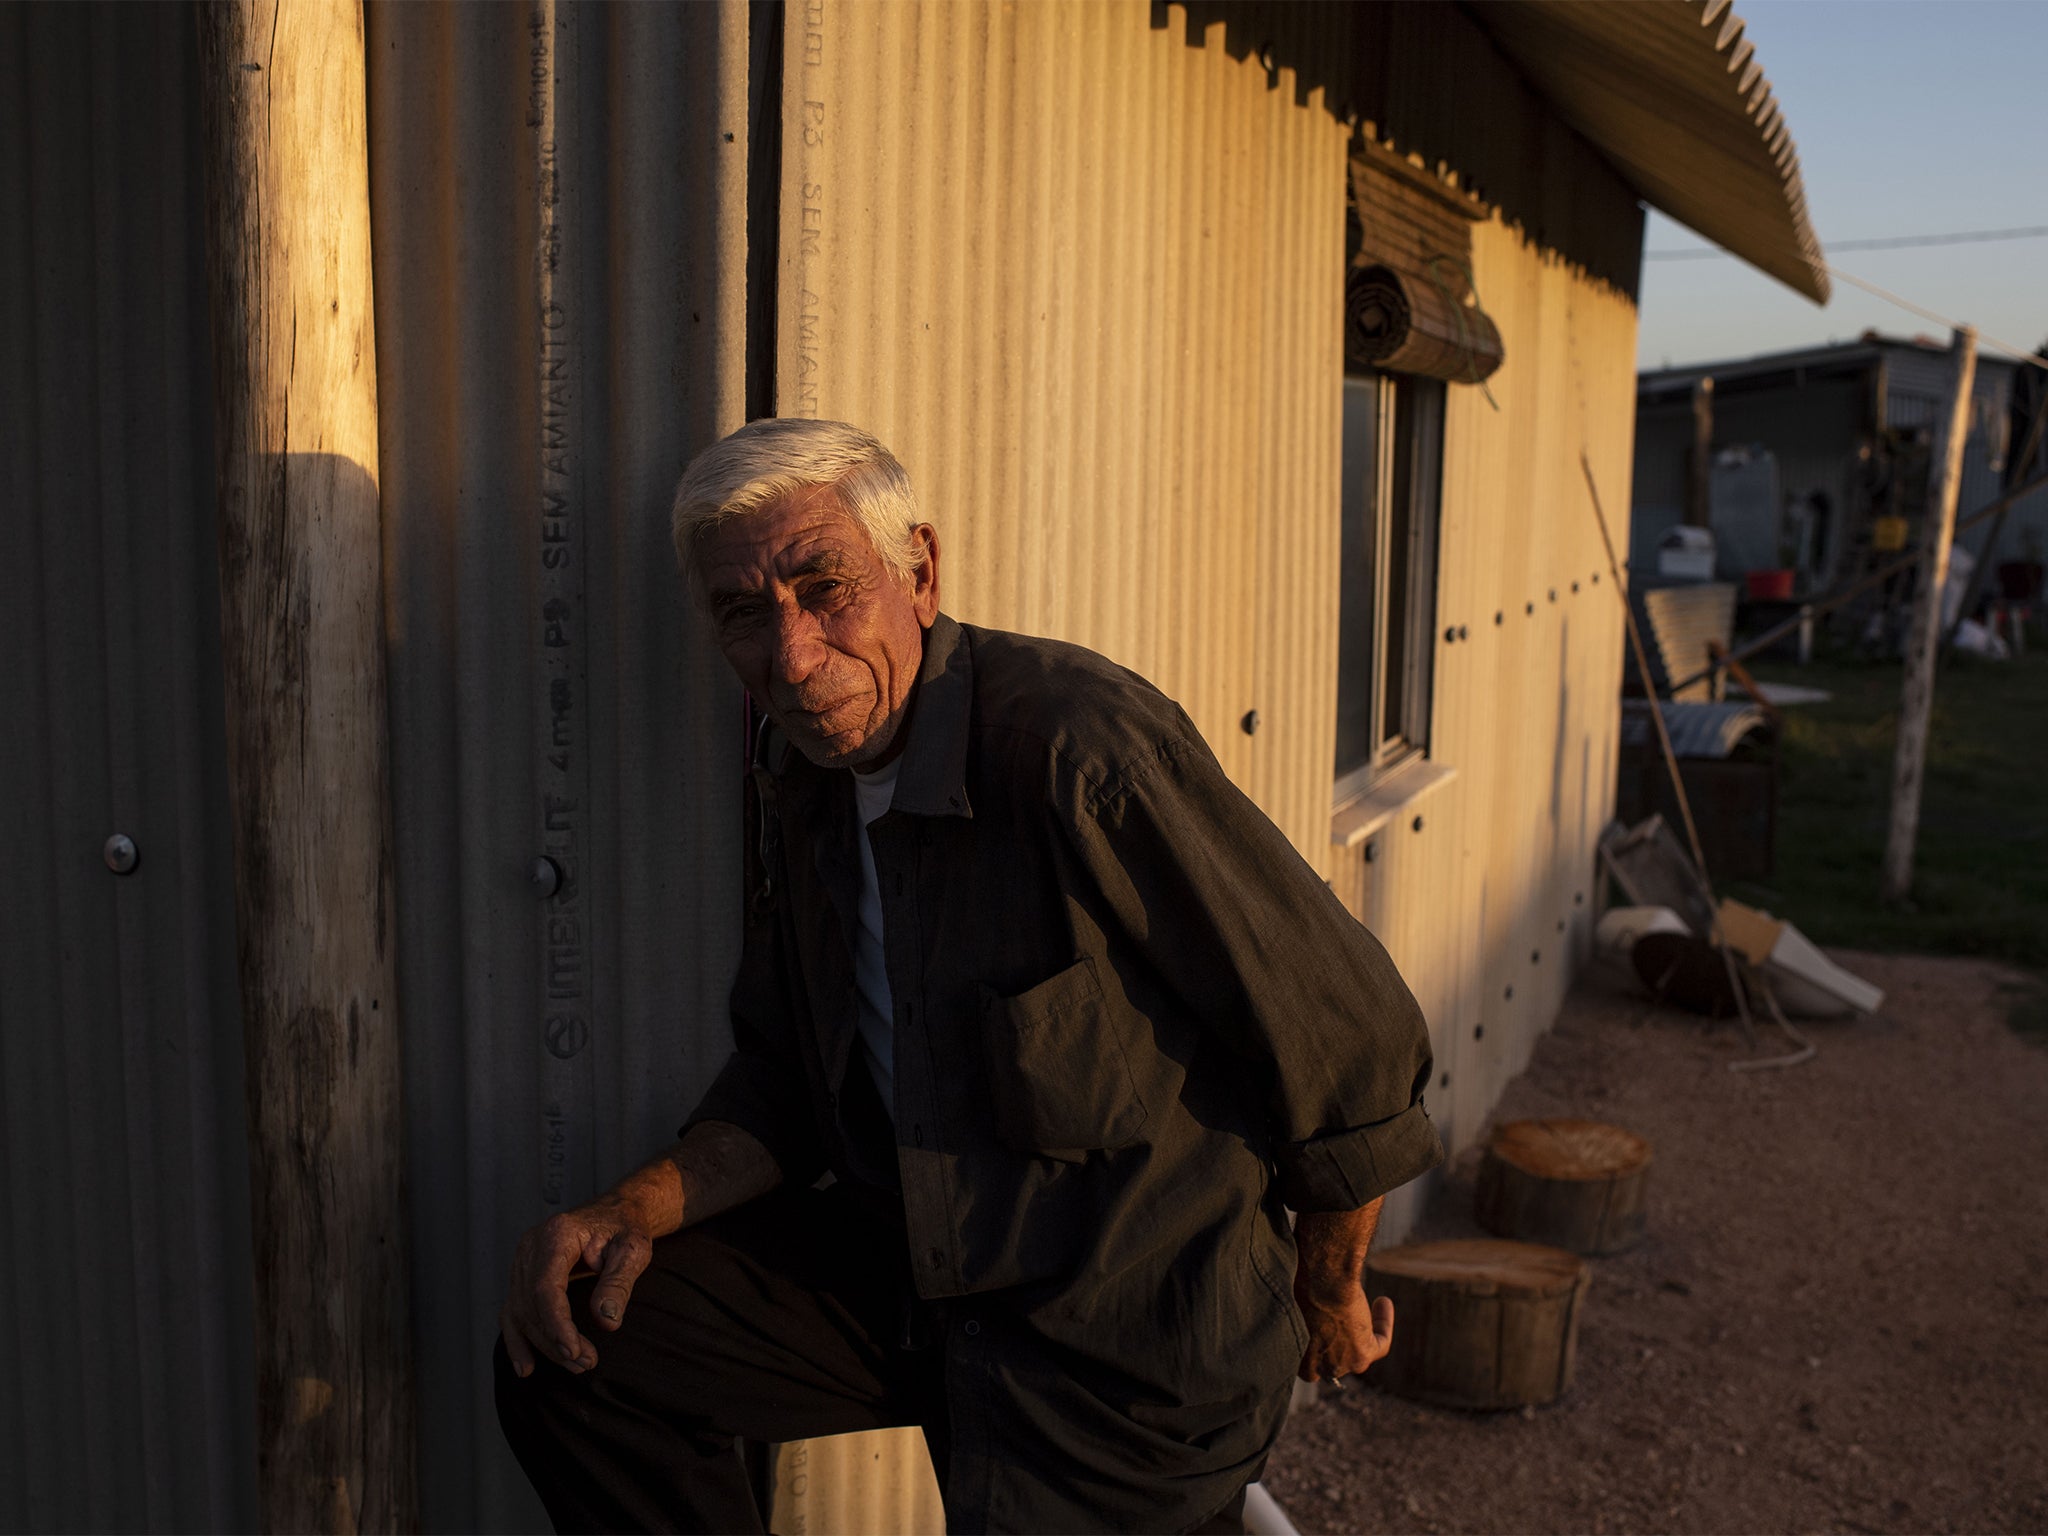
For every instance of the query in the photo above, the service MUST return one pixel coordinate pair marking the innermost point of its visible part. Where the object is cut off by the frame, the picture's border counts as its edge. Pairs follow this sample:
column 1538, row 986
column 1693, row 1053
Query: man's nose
column 797, row 644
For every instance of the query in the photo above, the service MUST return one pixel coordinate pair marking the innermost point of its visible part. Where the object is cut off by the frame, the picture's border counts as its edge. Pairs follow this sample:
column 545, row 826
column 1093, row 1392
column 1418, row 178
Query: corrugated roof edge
column 1590, row 62
column 1768, row 114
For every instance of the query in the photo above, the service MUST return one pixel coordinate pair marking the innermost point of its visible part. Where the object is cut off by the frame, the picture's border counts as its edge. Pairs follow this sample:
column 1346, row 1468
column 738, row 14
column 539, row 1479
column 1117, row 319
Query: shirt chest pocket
column 1059, row 1065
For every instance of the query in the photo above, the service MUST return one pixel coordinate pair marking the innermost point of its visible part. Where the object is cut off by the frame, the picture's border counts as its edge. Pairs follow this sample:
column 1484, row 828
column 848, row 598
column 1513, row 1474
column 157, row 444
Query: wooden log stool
column 1479, row 1323
column 1574, row 1184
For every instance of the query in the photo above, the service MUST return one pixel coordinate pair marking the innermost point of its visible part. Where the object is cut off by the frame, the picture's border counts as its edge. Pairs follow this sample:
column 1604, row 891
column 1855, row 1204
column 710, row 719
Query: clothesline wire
column 2023, row 354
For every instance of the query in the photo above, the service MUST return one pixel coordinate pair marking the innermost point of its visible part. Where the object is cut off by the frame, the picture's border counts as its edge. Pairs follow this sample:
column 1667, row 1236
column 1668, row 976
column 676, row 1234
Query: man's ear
column 924, row 579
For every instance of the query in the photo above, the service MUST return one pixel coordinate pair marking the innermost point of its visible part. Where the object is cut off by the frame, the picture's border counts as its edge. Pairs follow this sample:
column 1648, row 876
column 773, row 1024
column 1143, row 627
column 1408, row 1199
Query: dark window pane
column 1423, row 453
column 1355, row 739
column 1401, row 520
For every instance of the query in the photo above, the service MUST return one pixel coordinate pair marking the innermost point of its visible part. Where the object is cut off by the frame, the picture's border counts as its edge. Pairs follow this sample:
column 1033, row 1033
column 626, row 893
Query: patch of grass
column 1980, row 881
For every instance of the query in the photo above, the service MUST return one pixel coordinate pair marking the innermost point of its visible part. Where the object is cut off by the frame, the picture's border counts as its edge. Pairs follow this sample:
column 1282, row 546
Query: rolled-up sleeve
column 1260, row 949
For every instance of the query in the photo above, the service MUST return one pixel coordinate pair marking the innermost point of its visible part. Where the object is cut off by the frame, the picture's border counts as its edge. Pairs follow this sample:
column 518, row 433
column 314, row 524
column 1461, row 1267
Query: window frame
column 1405, row 512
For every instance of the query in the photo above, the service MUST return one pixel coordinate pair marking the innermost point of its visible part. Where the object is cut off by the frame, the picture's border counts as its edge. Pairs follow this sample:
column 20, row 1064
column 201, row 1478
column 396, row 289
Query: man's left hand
column 1345, row 1333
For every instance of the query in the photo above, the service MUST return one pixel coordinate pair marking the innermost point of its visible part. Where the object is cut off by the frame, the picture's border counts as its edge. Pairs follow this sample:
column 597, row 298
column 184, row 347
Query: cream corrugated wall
column 1488, row 908
column 1086, row 281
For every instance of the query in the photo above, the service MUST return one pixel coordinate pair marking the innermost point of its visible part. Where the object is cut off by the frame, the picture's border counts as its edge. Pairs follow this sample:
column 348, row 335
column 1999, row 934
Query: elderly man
column 1066, row 1019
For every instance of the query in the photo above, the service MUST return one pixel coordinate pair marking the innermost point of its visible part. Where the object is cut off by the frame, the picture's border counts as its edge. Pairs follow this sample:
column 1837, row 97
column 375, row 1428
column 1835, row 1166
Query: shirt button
column 973, row 1329
column 938, row 1259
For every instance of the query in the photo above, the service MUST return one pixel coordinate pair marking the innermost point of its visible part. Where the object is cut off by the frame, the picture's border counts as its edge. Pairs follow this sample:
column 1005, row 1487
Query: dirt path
column 1839, row 1321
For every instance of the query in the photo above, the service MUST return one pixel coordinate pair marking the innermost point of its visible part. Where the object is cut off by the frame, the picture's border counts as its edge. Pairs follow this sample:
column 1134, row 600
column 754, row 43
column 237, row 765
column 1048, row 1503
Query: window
column 1393, row 463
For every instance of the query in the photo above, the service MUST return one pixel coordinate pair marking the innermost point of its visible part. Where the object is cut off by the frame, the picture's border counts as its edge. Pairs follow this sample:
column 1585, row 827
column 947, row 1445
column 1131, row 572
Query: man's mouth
column 818, row 712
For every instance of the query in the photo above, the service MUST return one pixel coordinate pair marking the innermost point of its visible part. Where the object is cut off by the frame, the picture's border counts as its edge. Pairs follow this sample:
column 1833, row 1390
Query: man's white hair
column 768, row 459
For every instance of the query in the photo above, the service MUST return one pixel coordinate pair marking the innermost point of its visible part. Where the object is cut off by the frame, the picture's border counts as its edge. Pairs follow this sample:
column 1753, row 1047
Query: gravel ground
column 1839, row 1320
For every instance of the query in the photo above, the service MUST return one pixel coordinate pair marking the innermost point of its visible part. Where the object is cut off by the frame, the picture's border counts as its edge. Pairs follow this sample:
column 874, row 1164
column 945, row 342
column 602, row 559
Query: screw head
column 546, row 876
column 1450, row 634
column 1250, row 722
column 1416, row 824
column 1463, row 632
column 121, row 854
column 1478, row 1031
column 1372, row 852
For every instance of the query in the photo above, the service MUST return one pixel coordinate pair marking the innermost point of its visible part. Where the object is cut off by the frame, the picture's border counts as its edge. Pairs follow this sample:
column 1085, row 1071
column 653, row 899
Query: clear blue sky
column 1911, row 117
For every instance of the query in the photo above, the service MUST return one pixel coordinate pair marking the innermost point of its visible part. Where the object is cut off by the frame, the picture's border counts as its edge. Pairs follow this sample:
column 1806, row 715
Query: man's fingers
column 625, row 1260
column 1383, row 1318
column 515, row 1344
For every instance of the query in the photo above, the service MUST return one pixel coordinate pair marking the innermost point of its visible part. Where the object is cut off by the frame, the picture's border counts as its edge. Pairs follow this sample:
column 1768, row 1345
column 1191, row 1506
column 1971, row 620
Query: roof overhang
column 1671, row 92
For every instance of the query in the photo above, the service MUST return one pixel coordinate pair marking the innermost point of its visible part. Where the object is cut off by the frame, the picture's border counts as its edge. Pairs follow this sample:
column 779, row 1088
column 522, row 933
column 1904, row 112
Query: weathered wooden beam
column 1923, row 639
column 301, row 618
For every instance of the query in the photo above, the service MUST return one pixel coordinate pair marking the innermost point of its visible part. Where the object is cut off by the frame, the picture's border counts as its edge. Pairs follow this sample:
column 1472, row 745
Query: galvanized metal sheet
column 1696, row 730
column 558, row 209
column 126, row 1402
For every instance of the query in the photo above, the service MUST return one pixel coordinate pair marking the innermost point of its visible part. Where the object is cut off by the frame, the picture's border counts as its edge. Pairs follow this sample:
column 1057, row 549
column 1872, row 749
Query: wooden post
column 1916, row 694
column 288, row 216
column 1699, row 459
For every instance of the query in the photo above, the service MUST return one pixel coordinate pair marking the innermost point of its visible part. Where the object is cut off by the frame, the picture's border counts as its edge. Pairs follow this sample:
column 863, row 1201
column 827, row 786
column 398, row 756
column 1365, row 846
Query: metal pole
column 288, row 211
column 1916, row 696
column 1699, row 462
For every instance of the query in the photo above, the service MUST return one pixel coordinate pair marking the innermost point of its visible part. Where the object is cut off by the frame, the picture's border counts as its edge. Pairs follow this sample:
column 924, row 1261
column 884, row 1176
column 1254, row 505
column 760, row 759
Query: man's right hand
column 715, row 1167
column 603, row 1238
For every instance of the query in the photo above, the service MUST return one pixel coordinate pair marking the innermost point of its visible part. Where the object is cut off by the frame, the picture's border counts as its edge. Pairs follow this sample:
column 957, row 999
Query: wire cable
column 2022, row 354
column 1881, row 243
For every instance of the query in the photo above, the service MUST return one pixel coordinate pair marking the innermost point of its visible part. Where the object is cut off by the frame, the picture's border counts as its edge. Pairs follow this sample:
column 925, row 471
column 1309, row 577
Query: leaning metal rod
column 1692, row 833
column 1856, row 588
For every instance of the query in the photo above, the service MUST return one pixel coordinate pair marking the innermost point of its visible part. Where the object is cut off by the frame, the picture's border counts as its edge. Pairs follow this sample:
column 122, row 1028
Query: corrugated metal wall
column 126, row 1399
column 1487, row 906
column 558, row 201
column 1086, row 281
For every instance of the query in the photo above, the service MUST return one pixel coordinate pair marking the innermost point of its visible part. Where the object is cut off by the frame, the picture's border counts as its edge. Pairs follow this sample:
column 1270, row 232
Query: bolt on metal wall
column 558, row 207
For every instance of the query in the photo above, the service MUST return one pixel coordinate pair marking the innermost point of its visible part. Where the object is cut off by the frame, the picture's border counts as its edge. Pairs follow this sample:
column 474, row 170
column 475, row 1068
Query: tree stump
column 1479, row 1323
column 1574, row 1184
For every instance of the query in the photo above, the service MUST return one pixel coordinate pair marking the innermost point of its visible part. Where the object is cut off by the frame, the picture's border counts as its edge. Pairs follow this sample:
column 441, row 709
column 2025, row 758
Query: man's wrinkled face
column 820, row 631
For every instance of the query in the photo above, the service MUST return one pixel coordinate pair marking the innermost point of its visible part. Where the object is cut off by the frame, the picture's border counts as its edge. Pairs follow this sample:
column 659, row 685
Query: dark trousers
column 785, row 1319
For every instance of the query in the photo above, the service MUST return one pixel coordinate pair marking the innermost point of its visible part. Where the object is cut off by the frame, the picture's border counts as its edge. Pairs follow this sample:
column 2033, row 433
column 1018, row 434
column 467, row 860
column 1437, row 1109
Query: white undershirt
column 873, row 792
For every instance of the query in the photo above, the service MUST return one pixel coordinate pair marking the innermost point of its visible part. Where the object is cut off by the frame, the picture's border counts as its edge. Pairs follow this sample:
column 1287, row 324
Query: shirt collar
column 934, row 777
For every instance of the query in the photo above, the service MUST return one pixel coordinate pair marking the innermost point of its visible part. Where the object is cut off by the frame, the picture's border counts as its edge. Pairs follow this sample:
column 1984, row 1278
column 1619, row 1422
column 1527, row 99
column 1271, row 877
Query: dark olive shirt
column 1130, row 1025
